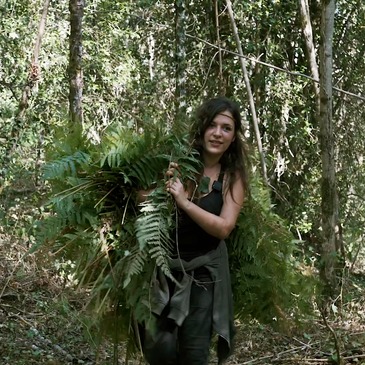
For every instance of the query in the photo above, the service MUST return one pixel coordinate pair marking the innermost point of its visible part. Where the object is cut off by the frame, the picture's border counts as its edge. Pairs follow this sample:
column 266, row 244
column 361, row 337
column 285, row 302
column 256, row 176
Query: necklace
column 204, row 185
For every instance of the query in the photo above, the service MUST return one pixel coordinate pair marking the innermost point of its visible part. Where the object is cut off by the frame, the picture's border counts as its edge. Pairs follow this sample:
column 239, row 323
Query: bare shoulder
column 233, row 197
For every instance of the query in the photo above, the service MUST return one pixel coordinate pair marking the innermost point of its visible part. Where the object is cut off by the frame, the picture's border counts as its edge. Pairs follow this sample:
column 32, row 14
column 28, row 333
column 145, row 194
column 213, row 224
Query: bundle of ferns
column 94, row 219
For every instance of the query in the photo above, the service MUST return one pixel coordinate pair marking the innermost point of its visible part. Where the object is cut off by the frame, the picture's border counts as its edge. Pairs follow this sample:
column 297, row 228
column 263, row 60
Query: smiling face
column 219, row 135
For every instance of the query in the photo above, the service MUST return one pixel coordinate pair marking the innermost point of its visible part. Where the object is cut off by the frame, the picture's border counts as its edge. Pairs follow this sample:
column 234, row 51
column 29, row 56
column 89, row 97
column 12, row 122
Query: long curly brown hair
column 235, row 159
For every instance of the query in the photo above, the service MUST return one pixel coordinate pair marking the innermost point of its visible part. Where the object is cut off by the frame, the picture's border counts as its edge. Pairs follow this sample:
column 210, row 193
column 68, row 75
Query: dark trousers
column 190, row 343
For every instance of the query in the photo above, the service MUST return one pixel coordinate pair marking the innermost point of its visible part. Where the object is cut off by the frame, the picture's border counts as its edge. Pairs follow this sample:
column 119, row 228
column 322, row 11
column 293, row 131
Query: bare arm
column 218, row 226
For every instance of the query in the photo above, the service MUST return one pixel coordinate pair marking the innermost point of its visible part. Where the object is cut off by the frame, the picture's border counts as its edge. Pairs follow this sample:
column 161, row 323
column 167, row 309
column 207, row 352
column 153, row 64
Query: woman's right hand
column 173, row 170
column 174, row 184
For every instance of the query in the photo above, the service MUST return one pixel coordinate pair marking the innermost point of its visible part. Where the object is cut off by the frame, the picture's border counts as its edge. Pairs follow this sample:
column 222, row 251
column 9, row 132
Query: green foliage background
column 94, row 220
column 129, row 85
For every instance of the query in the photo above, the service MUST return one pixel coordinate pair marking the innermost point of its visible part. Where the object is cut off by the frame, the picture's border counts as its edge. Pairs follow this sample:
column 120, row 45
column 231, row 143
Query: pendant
column 204, row 185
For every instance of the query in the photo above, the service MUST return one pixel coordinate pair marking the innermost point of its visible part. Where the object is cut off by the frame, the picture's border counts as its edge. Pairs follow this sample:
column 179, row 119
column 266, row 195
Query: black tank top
column 191, row 240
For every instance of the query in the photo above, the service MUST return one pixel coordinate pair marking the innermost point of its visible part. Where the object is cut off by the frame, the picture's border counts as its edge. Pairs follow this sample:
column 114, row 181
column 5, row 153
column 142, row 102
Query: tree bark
column 76, row 8
column 34, row 71
column 30, row 86
column 180, row 59
column 311, row 53
column 222, row 85
column 249, row 92
column 328, row 186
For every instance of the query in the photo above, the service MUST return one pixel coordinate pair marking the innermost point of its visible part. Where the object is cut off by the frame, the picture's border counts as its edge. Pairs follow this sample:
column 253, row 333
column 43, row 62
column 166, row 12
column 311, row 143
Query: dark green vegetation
column 42, row 321
column 68, row 188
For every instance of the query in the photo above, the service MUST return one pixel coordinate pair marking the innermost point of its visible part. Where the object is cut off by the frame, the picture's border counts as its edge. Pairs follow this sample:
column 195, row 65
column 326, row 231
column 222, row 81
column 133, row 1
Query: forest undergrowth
column 42, row 322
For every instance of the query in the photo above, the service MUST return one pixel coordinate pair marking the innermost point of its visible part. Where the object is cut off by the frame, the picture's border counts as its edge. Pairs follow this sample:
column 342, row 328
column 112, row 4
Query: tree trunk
column 180, row 59
column 249, row 92
column 76, row 8
column 222, row 88
column 217, row 27
column 30, row 86
column 328, row 187
column 311, row 53
column 34, row 71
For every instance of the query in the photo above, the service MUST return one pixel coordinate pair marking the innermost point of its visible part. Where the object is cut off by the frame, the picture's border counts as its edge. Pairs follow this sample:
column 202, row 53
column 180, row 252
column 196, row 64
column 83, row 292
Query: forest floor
column 41, row 323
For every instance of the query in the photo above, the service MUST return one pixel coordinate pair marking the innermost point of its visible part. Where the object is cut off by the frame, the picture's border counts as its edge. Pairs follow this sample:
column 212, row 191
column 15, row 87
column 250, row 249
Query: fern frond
column 135, row 264
column 95, row 221
column 67, row 165
column 262, row 250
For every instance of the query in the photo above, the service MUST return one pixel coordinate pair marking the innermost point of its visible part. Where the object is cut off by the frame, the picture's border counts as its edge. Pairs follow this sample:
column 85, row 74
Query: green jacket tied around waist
column 216, row 262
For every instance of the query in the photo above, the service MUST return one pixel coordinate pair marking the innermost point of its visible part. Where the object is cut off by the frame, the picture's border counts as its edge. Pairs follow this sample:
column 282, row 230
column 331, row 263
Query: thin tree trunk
column 220, row 28
column 249, row 92
column 328, row 186
column 34, row 71
column 180, row 36
column 76, row 8
column 222, row 87
column 151, row 51
column 31, row 85
column 311, row 53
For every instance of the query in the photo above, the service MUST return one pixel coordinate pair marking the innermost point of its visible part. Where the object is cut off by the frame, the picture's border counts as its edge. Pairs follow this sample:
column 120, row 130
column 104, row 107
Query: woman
column 200, row 301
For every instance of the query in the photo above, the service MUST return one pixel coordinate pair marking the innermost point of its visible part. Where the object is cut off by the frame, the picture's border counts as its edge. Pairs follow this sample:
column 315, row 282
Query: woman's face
column 219, row 135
